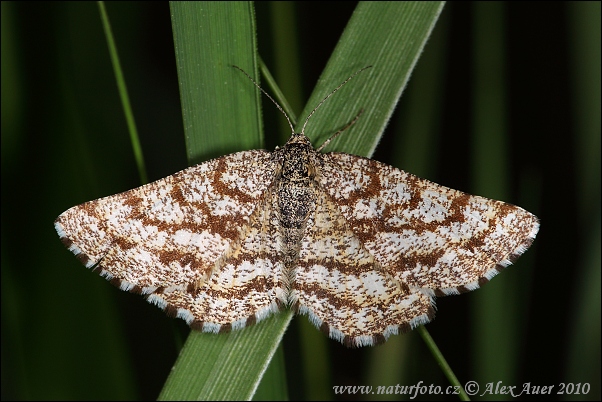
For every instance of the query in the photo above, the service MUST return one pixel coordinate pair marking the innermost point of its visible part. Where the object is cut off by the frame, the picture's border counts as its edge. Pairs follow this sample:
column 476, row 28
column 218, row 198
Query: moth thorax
column 295, row 202
column 297, row 165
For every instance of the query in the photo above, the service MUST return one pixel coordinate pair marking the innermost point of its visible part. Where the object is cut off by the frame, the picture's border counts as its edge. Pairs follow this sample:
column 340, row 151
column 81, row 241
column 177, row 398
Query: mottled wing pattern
column 344, row 289
column 186, row 241
column 246, row 284
column 426, row 236
column 217, row 244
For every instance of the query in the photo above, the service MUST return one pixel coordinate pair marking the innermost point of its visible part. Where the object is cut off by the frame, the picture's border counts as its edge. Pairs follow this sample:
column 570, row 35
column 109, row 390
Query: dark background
column 66, row 334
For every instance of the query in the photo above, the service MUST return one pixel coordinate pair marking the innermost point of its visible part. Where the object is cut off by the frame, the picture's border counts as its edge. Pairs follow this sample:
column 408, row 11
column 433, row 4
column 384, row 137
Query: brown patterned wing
column 429, row 237
column 344, row 290
column 246, row 284
column 169, row 238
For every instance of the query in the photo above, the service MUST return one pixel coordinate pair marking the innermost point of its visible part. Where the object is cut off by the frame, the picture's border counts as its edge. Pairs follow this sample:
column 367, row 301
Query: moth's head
column 298, row 139
column 297, row 158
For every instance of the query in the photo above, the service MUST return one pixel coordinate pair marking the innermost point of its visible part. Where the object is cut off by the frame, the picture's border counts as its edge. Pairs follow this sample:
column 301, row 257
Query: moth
column 360, row 247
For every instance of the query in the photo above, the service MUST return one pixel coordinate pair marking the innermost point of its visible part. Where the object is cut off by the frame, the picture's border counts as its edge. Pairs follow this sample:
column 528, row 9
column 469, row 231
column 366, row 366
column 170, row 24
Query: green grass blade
column 390, row 37
column 273, row 384
column 221, row 111
column 226, row 366
column 123, row 93
column 438, row 356
column 277, row 94
column 287, row 58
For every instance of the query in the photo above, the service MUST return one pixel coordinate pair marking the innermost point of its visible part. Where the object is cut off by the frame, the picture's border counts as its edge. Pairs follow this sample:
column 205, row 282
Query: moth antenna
column 335, row 135
column 268, row 95
column 329, row 95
